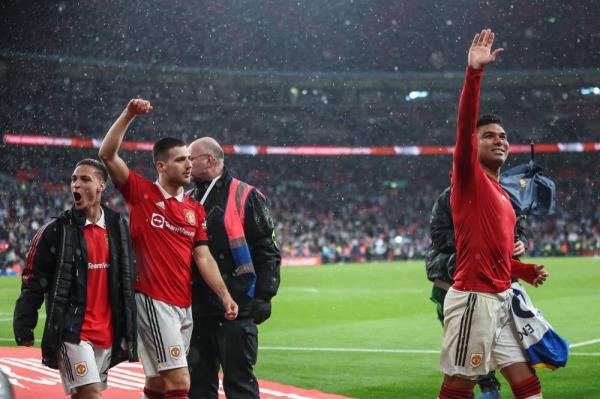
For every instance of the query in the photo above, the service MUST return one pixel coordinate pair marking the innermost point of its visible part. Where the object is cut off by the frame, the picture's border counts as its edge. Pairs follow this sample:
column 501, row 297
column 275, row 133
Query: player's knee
column 529, row 388
column 176, row 379
column 89, row 391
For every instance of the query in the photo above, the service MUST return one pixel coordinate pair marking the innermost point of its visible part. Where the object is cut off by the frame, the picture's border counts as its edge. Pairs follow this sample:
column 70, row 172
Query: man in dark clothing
column 241, row 239
column 81, row 263
column 440, row 263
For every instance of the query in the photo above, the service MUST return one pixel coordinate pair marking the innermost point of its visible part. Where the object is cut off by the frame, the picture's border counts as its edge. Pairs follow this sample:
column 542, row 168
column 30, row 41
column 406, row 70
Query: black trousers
column 228, row 344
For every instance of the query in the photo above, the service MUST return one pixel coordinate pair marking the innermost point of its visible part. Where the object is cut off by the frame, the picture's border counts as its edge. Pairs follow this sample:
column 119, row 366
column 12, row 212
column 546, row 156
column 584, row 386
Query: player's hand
column 137, row 106
column 480, row 53
column 519, row 249
column 542, row 275
column 27, row 343
column 231, row 308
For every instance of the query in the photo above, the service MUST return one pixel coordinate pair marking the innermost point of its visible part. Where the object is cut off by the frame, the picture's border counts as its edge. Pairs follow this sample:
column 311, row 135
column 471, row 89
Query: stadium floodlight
column 413, row 95
column 590, row 91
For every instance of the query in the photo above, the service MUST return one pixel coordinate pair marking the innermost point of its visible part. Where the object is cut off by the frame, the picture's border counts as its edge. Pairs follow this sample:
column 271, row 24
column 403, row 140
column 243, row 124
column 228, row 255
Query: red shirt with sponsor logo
column 97, row 320
column 164, row 231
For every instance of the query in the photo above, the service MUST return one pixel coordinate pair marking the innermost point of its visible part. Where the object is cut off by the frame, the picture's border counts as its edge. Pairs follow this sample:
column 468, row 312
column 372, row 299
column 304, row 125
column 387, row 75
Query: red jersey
column 97, row 320
column 164, row 231
column 484, row 219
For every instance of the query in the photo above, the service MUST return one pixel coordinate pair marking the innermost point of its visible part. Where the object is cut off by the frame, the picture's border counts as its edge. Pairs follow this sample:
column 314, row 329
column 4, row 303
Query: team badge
column 476, row 359
column 190, row 216
column 522, row 183
column 80, row 369
column 175, row 351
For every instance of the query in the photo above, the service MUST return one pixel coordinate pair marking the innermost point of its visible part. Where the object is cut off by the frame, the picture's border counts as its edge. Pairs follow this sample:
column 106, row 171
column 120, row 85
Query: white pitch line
column 585, row 343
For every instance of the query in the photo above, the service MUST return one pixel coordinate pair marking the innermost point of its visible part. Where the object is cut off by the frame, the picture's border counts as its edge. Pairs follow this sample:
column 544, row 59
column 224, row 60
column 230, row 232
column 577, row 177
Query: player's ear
column 102, row 187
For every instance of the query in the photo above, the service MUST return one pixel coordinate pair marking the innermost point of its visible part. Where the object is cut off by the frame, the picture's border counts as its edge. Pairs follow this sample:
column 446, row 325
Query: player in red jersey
column 167, row 229
column 479, row 334
column 81, row 265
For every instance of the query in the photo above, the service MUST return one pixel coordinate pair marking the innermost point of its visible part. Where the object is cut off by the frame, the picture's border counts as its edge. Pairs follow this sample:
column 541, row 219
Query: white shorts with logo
column 82, row 364
column 479, row 333
column 164, row 333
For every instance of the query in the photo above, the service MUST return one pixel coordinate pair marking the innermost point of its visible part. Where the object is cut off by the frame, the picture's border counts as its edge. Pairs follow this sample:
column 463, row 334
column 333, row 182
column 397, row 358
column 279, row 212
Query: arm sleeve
column 440, row 224
column 464, row 159
column 134, row 189
column 521, row 230
column 260, row 236
column 36, row 280
column 523, row 271
column 201, row 237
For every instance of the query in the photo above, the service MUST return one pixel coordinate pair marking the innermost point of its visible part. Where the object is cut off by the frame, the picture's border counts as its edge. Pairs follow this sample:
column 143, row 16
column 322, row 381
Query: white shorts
column 82, row 364
column 164, row 333
column 479, row 334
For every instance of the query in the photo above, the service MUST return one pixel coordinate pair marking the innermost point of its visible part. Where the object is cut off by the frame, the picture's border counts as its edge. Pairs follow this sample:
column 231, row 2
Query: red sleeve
column 132, row 191
column 523, row 271
column 201, row 237
column 464, row 159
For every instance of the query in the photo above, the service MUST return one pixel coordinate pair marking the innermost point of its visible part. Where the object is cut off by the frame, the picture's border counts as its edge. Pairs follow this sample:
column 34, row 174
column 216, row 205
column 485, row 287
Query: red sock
column 448, row 392
column 176, row 394
column 527, row 388
column 149, row 394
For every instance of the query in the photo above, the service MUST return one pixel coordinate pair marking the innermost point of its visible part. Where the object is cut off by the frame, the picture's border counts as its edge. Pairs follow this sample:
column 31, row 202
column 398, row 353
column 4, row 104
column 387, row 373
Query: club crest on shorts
column 80, row 369
column 476, row 359
column 190, row 216
column 175, row 351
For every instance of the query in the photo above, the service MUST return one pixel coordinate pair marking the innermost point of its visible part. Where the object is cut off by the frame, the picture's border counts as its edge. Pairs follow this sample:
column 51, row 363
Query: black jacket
column 258, row 230
column 58, row 275
column 440, row 260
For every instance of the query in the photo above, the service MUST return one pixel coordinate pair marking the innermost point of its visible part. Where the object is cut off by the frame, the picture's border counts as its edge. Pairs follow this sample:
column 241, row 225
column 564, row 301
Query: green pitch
column 370, row 331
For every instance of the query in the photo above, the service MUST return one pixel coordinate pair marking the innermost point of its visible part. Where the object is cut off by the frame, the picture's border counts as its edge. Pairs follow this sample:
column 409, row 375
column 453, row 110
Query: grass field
column 370, row 331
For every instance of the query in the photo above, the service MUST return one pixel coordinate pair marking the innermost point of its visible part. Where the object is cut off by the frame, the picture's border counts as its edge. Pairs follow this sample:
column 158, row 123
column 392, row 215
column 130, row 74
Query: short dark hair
column 488, row 119
column 160, row 151
column 94, row 163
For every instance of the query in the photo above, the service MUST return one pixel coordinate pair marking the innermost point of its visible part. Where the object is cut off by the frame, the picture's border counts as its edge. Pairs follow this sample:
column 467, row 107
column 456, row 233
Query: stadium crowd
column 335, row 209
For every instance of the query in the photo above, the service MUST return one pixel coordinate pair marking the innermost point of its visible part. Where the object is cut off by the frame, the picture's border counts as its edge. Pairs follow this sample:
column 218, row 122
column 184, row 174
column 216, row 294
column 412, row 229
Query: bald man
column 241, row 239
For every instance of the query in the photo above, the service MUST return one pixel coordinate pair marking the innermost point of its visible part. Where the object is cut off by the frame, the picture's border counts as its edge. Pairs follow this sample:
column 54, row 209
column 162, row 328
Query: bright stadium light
column 590, row 91
column 413, row 95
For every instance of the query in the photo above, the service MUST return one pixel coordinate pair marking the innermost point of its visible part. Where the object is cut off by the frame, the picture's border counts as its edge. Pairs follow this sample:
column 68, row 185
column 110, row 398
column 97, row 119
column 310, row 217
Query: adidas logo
column 160, row 204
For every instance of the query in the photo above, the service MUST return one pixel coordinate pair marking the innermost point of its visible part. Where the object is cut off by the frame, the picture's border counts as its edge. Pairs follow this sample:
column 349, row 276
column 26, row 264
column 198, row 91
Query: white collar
column 178, row 197
column 101, row 222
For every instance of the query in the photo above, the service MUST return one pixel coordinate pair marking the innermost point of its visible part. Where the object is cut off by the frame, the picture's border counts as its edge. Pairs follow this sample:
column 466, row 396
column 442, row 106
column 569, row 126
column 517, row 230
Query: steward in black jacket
column 237, row 216
column 57, row 272
column 258, row 229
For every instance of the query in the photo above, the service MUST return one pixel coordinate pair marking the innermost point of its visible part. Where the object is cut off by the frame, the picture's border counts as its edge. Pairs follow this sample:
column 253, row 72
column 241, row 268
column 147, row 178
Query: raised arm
column 212, row 276
column 109, row 150
column 480, row 55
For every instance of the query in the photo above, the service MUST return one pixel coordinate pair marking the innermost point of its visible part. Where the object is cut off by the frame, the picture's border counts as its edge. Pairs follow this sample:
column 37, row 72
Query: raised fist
column 138, row 106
